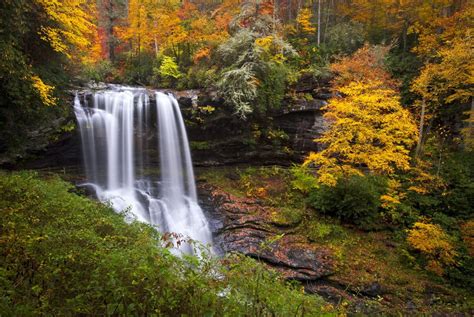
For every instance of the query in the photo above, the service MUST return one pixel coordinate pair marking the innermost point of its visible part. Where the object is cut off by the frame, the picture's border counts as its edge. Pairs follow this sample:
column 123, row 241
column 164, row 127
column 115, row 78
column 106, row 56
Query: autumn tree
column 110, row 16
column 39, row 41
column 446, row 46
column 434, row 244
column 385, row 20
column 186, row 31
column 254, row 58
column 366, row 64
column 368, row 127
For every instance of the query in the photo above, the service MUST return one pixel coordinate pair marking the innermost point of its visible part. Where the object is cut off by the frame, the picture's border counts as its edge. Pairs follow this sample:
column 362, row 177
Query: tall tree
column 39, row 40
column 368, row 127
column 447, row 78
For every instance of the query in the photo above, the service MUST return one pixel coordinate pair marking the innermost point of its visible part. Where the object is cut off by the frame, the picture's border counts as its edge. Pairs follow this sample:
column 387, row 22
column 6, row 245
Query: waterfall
column 123, row 139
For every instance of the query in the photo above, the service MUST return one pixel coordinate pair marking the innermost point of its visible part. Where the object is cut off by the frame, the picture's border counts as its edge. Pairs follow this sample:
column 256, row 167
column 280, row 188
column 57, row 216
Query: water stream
column 136, row 156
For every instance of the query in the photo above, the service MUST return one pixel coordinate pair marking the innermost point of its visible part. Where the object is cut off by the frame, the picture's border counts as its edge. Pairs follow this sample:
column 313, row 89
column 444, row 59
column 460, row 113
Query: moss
column 199, row 145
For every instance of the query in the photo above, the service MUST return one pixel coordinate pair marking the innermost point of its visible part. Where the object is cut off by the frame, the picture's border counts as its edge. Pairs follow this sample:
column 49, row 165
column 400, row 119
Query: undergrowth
column 65, row 255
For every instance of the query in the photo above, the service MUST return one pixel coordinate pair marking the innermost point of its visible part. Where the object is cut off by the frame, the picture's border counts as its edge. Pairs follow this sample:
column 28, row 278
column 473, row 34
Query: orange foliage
column 266, row 8
column 177, row 27
column 394, row 16
column 366, row 65
column 201, row 54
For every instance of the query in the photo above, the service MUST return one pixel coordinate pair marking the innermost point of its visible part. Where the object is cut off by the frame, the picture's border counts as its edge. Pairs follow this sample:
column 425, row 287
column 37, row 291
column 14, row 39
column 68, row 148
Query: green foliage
column 102, row 71
column 238, row 88
column 404, row 66
column 344, row 38
column 303, row 180
column 139, row 69
column 32, row 74
column 200, row 145
column 169, row 69
column 354, row 199
column 200, row 77
column 452, row 191
column 323, row 231
column 62, row 254
column 458, row 174
column 251, row 281
column 256, row 72
column 288, row 216
column 272, row 87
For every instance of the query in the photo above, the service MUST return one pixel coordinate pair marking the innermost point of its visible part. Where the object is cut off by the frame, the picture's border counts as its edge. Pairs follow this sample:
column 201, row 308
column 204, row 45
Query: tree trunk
column 319, row 22
column 420, row 137
column 471, row 115
column 326, row 26
column 275, row 13
column 404, row 36
column 469, row 130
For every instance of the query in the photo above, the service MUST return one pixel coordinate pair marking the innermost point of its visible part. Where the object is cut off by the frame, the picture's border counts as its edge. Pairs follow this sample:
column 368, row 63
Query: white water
column 118, row 133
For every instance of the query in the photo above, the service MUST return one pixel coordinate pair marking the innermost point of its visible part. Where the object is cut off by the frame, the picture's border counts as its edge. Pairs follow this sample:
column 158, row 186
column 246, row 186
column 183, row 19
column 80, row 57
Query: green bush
column 344, row 38
column 354, row 199
column 103, row 71
column 254, row 75
column 453, row 194
column 64, row 255
column 458, row 174
column 200, row 76
column 318, row 230
column 271, row 90
column 139, row 69
column 303, row 179
column 168, row 72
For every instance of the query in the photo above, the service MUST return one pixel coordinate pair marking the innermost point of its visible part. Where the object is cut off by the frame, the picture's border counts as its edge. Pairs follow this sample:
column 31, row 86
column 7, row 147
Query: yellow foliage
column 44, row 91
column 393, row 197
column 452, row 79
column 436, row 30
column 264, row 42
column 423, row 182
column 418, row 189
column 304, row 21
column 261, row 192
column 446, row 44
column 433, row 243
column 368, row 129
column 176, row 26
column 388, row 201
column 72, row 28
column 394, row 15
column 271, row 49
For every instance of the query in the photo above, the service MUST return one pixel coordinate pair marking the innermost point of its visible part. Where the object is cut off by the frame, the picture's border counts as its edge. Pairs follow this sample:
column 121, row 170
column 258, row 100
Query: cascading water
column 123, row 137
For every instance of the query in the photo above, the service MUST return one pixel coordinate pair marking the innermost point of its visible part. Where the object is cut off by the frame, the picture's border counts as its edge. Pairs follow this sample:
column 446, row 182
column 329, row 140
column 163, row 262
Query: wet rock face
column 245, row 226
column 231, row 140
column 217, row 137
